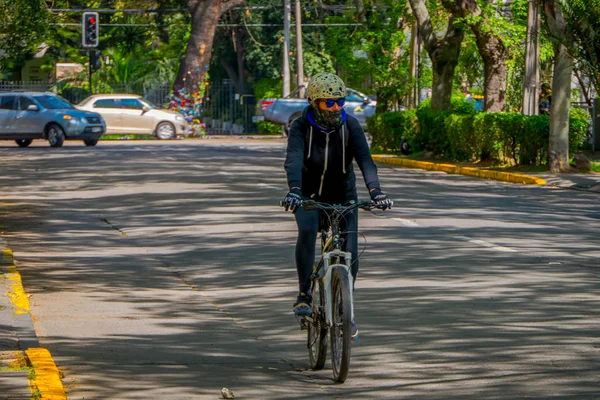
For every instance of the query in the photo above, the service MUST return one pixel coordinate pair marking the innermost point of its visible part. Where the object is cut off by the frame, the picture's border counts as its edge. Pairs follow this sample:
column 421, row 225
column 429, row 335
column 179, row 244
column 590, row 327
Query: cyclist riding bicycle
column 322, row 143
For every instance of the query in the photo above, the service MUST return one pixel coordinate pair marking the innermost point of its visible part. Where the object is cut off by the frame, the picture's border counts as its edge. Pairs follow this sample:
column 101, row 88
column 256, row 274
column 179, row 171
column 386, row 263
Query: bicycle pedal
column 302, row 322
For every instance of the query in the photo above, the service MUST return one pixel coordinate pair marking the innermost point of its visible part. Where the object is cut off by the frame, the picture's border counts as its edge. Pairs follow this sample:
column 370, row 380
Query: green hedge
column 387, row 129
column 463, row 135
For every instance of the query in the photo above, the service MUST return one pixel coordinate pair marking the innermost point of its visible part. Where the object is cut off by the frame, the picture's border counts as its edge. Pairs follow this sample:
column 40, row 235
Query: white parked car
column 130, row 114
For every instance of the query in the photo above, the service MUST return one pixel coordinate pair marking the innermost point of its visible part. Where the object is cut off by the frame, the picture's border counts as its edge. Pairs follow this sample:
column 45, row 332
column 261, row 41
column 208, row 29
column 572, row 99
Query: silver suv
column 25, row 116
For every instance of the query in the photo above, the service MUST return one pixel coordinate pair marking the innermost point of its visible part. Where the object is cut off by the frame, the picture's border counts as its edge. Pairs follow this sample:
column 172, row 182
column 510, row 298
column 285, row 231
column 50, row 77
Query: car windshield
column 53, row 102
column 148, row 103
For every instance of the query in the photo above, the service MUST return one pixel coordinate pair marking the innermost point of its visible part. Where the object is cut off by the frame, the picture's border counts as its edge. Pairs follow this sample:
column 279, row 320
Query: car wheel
column 165, row 130
column 405, row 147
column 90, row 142
column 23, row 142
column 55, row 135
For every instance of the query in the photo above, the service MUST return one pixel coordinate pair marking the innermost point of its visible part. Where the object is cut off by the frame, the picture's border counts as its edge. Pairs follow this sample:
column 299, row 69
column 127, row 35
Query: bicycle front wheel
column 317, row 328
column 340, row 334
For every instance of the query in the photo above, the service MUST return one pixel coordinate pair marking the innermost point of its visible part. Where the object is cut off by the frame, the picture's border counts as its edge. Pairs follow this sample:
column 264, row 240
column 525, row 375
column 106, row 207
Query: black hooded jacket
column 320, row 163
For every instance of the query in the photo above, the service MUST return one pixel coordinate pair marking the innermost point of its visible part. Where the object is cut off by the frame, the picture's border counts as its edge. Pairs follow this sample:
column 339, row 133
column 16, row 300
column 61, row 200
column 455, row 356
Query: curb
column 47, row 378
column 45, row 383
column 455, row 169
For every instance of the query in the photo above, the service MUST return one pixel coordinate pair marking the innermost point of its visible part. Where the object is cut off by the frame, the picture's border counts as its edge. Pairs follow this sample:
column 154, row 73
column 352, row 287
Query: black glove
column 292, row 199
column 381, row 200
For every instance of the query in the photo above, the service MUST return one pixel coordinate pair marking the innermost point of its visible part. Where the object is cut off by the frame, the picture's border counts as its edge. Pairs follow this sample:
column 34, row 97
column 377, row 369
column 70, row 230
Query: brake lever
column 308, row 205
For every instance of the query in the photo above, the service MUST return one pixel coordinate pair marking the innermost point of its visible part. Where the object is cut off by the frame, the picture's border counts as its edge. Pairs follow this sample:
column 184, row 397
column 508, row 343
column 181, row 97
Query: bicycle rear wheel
column 317, row 328
column 341, row 331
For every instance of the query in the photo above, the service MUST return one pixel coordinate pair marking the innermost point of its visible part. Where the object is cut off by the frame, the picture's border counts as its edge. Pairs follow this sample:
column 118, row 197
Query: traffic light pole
column 90, row 70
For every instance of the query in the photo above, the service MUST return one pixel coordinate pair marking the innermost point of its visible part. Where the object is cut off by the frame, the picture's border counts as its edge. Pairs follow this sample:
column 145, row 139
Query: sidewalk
column 26, row 370
column 588, row 182
column 14, row 383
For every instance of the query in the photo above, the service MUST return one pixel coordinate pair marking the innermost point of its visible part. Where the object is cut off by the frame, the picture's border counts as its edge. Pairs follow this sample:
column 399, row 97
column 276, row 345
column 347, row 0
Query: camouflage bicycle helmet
column 325, row 85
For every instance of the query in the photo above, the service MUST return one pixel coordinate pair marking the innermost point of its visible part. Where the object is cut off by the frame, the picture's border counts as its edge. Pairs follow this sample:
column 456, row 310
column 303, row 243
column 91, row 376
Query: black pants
column 308, row 229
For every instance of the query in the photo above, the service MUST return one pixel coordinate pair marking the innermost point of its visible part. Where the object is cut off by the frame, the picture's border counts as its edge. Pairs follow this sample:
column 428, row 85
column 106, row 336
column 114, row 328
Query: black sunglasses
column 330, row 102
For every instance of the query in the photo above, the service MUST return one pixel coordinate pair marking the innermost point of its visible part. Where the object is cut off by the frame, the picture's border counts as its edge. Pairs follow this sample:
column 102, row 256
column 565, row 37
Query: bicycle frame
column 332, row 254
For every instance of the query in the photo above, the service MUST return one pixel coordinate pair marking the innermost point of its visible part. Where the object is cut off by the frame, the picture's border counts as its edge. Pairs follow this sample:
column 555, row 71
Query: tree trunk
column 442, row 52
column 444, row 59
column 492, row 51
column 240, row 83
column 558, row 149
column 360, row 11
column 494, row 55
column 205, row 17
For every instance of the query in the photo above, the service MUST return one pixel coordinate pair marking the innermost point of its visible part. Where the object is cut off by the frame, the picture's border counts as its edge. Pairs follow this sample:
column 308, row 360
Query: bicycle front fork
column 327, row 281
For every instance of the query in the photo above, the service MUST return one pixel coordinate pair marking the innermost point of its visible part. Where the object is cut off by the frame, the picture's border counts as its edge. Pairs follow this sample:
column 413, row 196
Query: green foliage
column 583, row 34
column 465, row 136
column 459, row 131
column 22, row 27
column 434, row 134
column 265, row 127
column 387, row 129
column 375, row 52
column 266, row 88
column 579, row 123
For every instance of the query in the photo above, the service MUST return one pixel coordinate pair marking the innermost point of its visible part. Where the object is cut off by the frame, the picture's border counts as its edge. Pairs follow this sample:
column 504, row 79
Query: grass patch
column 596, row 166
column 15, row 368
column 521, row 168
column 127, row 137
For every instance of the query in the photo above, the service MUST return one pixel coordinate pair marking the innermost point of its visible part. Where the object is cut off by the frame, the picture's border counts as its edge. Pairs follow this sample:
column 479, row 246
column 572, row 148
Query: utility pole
column 299, row 54
column 531, row 82
column 415, row 54
column 287, row 11
column 90, row 71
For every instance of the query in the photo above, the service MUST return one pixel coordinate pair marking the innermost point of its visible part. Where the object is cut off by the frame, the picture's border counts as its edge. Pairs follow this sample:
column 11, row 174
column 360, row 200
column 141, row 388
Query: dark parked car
column 284, row 110
column 25, row 116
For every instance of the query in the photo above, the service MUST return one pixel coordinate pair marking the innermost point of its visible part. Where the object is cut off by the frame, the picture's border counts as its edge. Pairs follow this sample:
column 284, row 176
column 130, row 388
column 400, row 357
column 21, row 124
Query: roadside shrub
column 459, row 131
column 432, row 133
column 579, row 123
column 387, row 129
column 265, row 127
column 464, row 136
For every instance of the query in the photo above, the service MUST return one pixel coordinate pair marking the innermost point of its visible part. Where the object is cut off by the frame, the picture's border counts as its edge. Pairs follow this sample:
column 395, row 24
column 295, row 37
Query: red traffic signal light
column 89, row 29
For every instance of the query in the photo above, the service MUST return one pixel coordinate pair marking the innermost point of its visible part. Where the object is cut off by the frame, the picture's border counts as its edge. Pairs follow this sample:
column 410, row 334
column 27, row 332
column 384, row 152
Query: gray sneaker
column 302, row 305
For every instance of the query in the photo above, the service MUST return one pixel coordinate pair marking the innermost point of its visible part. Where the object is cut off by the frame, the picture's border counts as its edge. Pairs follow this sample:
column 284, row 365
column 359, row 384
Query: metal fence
column 227, row 112
column 157, row 94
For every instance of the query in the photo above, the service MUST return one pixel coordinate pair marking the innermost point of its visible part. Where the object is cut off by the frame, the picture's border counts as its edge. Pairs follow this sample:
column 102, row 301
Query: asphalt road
column 163, row 270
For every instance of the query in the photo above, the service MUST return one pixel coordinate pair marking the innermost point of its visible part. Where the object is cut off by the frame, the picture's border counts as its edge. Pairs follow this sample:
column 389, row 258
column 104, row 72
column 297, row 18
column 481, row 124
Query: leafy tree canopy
column 23, row 27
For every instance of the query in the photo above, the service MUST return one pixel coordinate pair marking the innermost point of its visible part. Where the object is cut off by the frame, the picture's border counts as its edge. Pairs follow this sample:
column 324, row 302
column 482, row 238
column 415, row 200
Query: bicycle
column 332, row 288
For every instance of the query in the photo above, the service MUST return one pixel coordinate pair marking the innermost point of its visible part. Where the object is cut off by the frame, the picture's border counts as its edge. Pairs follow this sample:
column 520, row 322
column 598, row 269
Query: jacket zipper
column 326, row 159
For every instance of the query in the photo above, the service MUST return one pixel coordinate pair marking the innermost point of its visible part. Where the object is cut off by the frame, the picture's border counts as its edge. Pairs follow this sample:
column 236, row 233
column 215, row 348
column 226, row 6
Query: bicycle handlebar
column 311, row 205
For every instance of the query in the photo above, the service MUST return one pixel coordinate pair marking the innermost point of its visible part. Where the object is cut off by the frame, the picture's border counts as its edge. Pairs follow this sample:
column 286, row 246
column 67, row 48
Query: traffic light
column 89, row 29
